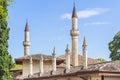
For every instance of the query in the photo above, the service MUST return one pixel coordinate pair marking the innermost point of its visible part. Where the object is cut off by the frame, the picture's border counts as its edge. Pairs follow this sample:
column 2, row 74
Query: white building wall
column 36, row 67
column 26, row 68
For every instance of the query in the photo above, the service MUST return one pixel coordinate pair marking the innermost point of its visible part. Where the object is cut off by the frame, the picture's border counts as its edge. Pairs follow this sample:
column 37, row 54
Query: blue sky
column 50, row 25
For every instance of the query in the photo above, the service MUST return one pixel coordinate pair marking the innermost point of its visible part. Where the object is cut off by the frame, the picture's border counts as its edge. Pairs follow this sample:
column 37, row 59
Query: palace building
column 70, row 66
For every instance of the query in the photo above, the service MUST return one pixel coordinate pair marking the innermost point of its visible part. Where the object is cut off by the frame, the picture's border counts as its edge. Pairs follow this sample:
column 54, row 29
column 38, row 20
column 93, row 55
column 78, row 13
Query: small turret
column 53, row 61
column 84, row 50
column 67, row 59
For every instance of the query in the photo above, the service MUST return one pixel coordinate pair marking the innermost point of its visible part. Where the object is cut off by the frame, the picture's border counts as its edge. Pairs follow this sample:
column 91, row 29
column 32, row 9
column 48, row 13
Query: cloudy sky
column 50, row 25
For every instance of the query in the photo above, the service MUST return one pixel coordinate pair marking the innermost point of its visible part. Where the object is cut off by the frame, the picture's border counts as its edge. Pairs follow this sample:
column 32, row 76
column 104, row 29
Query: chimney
column 41, row 65
column 84, row 50
column 67, row 59
column 53, row 61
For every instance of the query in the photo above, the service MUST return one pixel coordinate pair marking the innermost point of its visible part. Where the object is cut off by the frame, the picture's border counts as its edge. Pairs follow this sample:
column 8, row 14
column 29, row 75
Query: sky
column 50, row 24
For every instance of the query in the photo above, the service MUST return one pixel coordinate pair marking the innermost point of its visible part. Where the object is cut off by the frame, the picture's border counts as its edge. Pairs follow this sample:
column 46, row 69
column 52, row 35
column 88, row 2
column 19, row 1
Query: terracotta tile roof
column 106, row 66
column 112, row 67
column 80, row 59
column 36, row 57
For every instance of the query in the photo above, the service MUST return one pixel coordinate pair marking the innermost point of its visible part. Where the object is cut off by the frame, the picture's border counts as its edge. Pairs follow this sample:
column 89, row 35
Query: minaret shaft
column 85, row 57
column 74, row 24
column 75, row 51
column 26, row 35
column 54, row 63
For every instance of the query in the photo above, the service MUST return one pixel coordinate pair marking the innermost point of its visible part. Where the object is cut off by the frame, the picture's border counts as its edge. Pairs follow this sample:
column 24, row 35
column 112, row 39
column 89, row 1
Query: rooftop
column 104, row 68
column 36, row 57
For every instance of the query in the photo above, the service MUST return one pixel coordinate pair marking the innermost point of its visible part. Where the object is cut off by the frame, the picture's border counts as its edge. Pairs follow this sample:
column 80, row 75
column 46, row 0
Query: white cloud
column 86, row 13
column 66, row 16
column 96, row 23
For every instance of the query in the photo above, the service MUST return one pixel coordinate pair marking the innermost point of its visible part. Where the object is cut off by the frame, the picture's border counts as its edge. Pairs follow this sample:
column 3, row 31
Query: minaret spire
column 26, row 27
column 26, row 42
column 84, row 42
column 74, row 35
column 74, row 13
column 54, row 51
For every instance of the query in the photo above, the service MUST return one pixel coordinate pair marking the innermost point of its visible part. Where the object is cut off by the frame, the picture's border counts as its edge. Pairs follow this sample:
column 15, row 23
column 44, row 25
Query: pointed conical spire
column 84, row 42
column 67, row 49
column 54, row 51
column 26, row 26
column 74, row 13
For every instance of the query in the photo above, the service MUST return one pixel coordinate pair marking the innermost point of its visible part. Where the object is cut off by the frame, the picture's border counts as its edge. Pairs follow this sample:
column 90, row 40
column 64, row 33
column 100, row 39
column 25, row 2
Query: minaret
column 74, row 35
column 54, row 60
column 84, row 50
column 67, row 59
column 26, row 42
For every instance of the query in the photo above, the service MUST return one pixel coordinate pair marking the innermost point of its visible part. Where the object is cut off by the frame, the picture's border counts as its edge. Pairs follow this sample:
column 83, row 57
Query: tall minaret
column 26, row 42
column 74, row 35
column 84, row 51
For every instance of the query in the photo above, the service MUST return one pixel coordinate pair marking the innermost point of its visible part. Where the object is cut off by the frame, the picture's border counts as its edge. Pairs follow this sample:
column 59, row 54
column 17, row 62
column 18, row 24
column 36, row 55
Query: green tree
column 6, row 62
column 101, row 60
column 114, row 47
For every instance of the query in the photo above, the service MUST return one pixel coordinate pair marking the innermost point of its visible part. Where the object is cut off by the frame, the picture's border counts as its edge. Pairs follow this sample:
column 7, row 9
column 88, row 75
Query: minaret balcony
column 74, row 32
column 26, row 43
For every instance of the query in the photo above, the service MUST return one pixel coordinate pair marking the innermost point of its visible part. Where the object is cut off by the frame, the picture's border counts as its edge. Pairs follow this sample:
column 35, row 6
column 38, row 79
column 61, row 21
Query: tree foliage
column 101, row 60
column 6, row 62
column 114, row 47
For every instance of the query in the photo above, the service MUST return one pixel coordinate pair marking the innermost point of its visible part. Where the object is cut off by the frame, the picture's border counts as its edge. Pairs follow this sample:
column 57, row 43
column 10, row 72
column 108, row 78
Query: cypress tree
column 6, row 62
